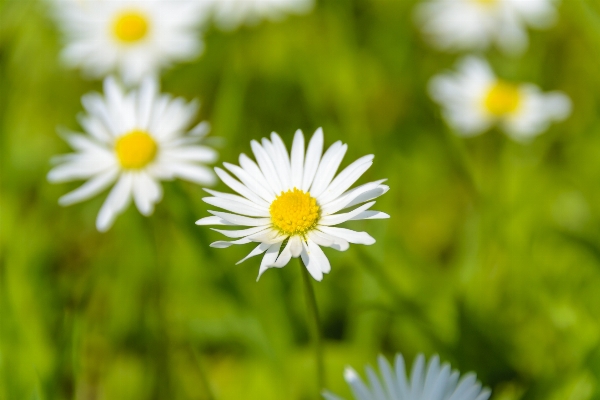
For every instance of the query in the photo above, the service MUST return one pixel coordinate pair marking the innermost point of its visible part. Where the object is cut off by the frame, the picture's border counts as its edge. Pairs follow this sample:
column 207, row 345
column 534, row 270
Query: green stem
column 315, row 325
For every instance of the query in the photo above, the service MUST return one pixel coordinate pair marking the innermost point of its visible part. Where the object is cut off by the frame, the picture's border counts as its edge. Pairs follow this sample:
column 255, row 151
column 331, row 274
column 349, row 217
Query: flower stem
column 314, row 324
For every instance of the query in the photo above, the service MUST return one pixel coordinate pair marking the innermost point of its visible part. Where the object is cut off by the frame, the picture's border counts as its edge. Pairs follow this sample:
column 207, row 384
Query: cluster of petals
column 473, row 100
column 427, row 381
column 308, row 173
column 476, row 24
column 161, row 147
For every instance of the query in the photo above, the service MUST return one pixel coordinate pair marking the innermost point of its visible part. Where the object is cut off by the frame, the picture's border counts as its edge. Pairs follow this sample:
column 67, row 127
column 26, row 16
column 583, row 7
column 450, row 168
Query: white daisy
column 292, row 202
column 427, row 382
column 229, row 14
column 132, row 37
column 134, row 139
column 476, row 24
column 473, row 99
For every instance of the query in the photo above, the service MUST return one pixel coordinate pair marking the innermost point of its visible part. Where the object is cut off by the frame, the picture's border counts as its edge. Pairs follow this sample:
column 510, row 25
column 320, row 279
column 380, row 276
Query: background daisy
column 291, row 202
column 132, row 37
column 430, row 381
column 473, row 99
column 134, row 139
column 476, row 24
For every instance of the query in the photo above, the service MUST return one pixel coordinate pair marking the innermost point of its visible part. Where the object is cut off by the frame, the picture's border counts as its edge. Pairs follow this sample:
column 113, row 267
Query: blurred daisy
column 134, row 139
column 229, row 14
column 473, row 99
column 427, row 382
column 292, row 202
column 476, row 24
column 132, row 37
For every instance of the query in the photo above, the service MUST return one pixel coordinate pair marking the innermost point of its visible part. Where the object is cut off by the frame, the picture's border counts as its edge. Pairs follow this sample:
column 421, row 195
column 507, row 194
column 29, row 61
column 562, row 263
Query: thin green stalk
column 314, row 324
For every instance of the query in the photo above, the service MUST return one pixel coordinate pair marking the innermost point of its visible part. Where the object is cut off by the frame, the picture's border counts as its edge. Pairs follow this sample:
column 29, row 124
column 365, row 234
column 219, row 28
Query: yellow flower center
column 294, row 212
column 503, row 98
column 486, row 2
column 130, row 27
column 135, row 149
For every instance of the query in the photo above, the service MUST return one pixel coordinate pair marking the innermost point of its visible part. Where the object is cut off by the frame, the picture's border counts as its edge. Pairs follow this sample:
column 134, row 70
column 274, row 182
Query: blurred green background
column 491, row 257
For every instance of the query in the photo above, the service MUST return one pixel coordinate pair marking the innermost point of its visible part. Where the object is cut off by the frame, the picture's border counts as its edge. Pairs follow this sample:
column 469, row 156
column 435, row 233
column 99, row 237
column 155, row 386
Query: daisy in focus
column 473, row 100
column 134, row 139
column 230, row 14
column 476, row 24
column 430, row 381
column 132, row 37
column 290, row 203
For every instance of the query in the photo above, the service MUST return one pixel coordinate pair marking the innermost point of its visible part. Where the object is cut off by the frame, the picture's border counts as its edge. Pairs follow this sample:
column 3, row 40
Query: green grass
column 491, row 257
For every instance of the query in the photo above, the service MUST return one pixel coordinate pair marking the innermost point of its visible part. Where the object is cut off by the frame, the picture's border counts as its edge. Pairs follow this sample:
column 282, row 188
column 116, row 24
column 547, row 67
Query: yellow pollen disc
column 486, row 2
column 294, row 212
column 502, row 99
column 130, row 27
column 135, row 149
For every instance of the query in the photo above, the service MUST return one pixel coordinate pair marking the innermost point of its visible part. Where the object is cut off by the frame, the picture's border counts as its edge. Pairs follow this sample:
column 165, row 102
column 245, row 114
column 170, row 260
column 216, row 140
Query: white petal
column 241, row 220
column 403, row 386
column 194, row 173
column 349, row 235
column 147, row 93
column 241, row 232
column 313, row 158
column 416, row 377
column 328, row 167
column 89, row 189
column 355, row 196
column 297, row 161
column 346, row 178
column 267, row 167
column 239, row 187
column 388, row 378
column 146, row 192
column 281, row 160
column 269, row 258
column 261, row 248
column 224, row 244
column 212, row 220
column 316, row 259
column 327, row 240
column 193, row 153
column 117, row 200
column 284, row 257
column 249, row 181
column 339, row 218
column 254, row 171
column 295, row 246
column 369, row 215
column 359, row 389
column 238, row 207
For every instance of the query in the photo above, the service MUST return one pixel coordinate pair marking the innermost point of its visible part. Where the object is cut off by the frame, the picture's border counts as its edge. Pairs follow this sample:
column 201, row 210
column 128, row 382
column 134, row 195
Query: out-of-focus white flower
column 229, row 14
column 427, row 382
column 476, row 24
column 292, row 201
column 132, row 37
column 136, row 139
column 473, row 99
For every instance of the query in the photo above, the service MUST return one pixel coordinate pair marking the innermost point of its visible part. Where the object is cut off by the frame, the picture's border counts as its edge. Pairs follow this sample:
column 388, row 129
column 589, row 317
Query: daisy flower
column 229, row 14
column 473, row 99
column 476, row 24
column 132, row 37
column 134, row 139
column 427, row 382
column 291, row 202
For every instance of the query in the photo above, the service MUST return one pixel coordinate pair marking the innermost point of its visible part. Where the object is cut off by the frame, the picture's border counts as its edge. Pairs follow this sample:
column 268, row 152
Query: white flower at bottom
column 230, row 14
column 292, row 202
column 474, row 99
column 427, row 382
column 135, row 38
column 476, row 24
column 136, row 139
